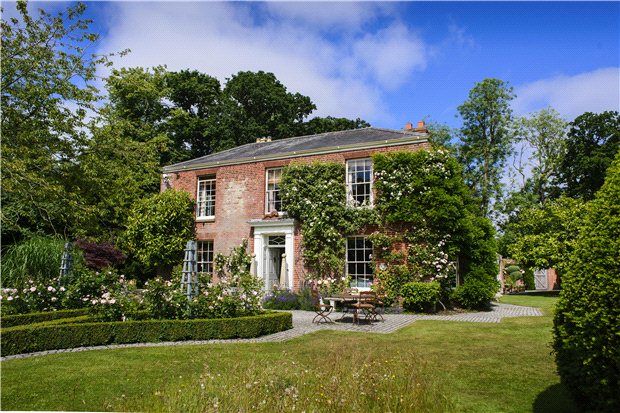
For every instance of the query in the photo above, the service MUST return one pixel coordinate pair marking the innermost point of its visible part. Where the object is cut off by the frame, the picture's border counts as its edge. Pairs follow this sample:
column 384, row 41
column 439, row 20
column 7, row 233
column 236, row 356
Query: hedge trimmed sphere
column 587, row 320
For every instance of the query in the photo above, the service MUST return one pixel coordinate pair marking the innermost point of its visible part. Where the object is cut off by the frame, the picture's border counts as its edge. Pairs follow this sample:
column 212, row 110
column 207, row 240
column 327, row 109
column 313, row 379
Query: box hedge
column 39, row 317
column 587, row 319
column 28, row 339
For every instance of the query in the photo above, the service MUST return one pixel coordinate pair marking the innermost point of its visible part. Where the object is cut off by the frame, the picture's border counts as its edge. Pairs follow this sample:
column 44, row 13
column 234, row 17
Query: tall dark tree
column 486, row 137
column 330, row 124
column 593, row 141
column 264, row 107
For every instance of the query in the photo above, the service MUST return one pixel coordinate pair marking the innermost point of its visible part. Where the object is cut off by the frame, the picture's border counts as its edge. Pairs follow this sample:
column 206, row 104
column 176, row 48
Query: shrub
column 26, row 339
column 421, row 296
column 34, row 295
column 37, row 258
column 86, row 285
column 476, row 292
column 392, row 279
column 164, row 299
column 528, row 279
column 587, row 319
column 158, row 228
column 281, row 300
column 307, row 301
column 98, row 256
column 39, row 317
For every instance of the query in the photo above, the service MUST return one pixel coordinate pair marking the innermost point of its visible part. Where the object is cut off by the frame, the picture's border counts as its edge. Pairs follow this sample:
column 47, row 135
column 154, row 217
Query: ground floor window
column 359, row 261
column 204, row 257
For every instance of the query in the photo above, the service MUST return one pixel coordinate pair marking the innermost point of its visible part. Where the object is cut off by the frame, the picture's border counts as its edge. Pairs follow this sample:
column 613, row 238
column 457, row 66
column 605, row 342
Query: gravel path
column 302, row 324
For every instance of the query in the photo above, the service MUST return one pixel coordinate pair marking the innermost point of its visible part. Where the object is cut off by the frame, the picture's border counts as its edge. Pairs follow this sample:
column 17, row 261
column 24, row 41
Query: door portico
column 264, row 251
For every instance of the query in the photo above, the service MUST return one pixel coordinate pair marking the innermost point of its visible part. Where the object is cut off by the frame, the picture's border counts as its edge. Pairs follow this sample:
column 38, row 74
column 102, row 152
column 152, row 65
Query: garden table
column 347, row 302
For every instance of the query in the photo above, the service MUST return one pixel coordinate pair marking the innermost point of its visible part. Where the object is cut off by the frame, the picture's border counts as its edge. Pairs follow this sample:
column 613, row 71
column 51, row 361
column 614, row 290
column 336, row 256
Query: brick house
column 237, row 197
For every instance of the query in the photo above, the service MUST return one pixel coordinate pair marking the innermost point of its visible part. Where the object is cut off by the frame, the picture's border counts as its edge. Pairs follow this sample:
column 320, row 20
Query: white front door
column 272, row 239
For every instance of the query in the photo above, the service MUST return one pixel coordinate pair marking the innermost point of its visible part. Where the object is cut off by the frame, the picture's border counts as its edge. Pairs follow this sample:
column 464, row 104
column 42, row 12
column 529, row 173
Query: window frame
column 206, row 179
column 367, row 246
column 351, row 201
column 200, row 255
column 268, row 191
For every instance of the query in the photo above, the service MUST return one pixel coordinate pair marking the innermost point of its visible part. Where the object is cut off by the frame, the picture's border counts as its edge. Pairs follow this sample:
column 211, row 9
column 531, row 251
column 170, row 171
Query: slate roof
column 300, row 146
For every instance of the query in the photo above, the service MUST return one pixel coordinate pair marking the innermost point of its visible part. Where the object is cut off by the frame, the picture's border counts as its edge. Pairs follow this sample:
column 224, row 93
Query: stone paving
column 302, row 324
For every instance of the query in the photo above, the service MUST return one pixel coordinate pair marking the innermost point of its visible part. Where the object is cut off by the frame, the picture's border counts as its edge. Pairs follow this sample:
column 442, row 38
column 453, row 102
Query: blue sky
column 385, row 62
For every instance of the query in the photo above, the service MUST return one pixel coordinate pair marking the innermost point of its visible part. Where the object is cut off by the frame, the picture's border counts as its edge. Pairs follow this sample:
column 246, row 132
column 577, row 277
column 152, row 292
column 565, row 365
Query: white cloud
column 594, row 91
column 344, row 75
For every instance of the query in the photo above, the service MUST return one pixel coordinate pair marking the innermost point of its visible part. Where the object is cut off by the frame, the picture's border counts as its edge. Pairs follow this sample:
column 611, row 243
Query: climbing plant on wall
column 429, row 221
column 315, row 195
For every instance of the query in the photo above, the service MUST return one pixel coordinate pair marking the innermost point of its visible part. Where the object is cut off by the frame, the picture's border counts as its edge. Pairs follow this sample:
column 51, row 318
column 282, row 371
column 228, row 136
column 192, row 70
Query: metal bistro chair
column 365, row 305
column 321, row 309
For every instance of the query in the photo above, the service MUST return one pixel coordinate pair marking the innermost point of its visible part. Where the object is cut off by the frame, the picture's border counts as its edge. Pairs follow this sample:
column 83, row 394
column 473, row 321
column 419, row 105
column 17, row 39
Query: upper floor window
column 204, row 257
column 359, row 182
column 205, row 198
column 273, row 202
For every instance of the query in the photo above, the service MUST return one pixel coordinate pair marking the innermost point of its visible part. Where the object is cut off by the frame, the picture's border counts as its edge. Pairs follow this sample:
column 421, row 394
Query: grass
column 430, row 366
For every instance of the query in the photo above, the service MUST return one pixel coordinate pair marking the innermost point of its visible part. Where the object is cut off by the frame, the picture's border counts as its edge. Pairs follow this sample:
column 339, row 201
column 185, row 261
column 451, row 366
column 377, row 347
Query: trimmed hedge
column 28, row 339
column 586, row 331
column 31, row 318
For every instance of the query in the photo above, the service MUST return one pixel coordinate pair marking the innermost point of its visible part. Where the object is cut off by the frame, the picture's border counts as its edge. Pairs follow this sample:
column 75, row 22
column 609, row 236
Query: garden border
column 13, row 320
column 28, row 339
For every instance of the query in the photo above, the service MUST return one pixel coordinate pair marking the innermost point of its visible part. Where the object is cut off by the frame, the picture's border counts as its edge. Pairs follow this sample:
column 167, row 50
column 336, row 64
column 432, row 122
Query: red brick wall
column 240, row 197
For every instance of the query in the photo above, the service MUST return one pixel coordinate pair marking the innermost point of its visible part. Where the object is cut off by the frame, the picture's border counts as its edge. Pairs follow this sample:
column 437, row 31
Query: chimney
column 421, row 127
column 408, row 127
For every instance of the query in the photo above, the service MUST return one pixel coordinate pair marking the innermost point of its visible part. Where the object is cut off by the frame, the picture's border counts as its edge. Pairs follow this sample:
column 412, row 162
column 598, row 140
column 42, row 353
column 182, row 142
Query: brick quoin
column 240, row 197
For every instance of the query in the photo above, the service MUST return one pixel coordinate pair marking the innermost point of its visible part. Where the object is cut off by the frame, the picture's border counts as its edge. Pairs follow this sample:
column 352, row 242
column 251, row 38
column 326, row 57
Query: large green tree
column 593, row 141
column 47, row 90
column 486, row 137
column 189, row 114
column 543, row 236
column 542, row 139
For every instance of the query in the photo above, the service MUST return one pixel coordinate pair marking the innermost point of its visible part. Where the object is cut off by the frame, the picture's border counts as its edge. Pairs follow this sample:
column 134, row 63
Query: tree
column 593, row 141
column 187, row 114
column 158, row 228
column 543, row 135
column 543, row 236
column 587, row 319
column 486, row 137
column 47, row 89
column 115, row 172
column 260, row 105
column 330, row 124
column 441, row 135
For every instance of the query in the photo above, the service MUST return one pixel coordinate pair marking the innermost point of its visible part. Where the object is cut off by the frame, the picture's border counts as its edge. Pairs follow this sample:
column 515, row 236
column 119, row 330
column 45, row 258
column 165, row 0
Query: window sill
column 205, row 219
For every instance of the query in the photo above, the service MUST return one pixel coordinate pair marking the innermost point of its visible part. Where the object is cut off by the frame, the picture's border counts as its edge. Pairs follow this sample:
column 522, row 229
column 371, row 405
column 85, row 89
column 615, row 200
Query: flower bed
column 28, row 339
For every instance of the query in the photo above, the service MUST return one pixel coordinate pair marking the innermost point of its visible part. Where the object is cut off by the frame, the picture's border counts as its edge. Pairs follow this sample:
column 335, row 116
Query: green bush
column 26, row 339
column 587, row 320
column 421, row 296
column 307, row 301
column 528, row 279
column 31, row 318
column 158, row 228
column 476, row 292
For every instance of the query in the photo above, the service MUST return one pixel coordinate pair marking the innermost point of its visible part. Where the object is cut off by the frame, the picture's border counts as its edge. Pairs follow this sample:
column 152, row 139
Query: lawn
column 430, row 366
